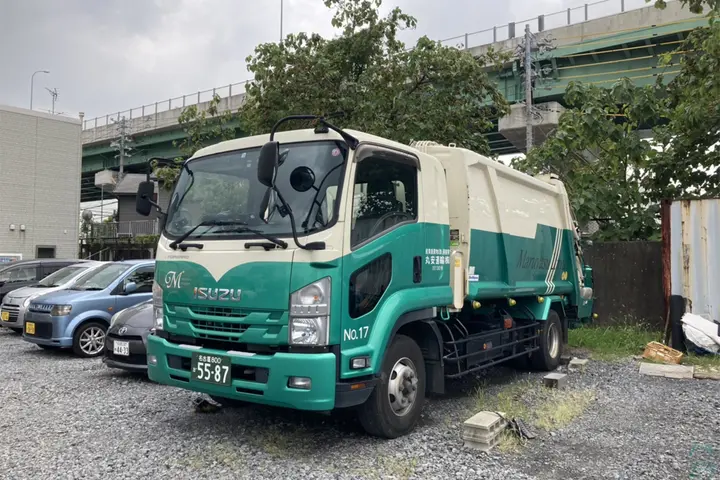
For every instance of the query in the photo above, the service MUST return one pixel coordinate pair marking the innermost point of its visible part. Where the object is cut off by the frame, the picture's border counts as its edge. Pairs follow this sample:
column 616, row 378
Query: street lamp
column 281, row 20
column 32, row 80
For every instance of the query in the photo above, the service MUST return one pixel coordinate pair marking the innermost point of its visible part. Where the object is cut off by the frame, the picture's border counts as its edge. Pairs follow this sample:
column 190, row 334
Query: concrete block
column 667, row 371
column 707, row 373
column 555, row 380
column 577, row 363
column 482, row 430
column 565, row 359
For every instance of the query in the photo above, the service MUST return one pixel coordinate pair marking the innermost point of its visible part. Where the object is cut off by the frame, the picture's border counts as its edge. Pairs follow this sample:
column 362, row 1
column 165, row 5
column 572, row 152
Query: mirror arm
column 154, row 204
column 309, row 246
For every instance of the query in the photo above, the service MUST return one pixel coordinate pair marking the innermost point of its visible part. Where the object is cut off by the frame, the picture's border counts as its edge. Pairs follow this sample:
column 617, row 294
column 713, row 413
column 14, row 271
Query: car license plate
column 210, row 368
column 4, row 316
column 121, row 348
column 30, row 328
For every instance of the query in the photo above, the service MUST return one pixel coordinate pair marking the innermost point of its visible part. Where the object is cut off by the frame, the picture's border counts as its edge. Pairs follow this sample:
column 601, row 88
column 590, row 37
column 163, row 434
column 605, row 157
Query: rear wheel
column 394, row 407
column 551, row 344
column 89, row 339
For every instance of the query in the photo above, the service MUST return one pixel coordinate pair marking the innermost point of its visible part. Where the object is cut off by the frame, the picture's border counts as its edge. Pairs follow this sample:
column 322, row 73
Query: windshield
column 61, row 276
column 101, row 277
column 224, row 187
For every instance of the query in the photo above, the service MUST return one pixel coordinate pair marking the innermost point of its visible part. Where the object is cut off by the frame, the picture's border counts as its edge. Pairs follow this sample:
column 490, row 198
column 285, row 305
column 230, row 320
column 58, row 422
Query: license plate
column 210, row 368
column 30, row 328
column 121, row 348
column 5, row 316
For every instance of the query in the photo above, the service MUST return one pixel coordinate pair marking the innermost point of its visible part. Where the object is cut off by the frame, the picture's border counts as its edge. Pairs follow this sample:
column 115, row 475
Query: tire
column 547, row 358
column 19, row 331
column 80, row 338
column 228, row 402
column 377, row 416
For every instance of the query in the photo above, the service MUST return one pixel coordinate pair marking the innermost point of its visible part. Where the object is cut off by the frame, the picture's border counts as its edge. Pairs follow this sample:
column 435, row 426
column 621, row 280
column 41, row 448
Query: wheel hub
column 402, row 387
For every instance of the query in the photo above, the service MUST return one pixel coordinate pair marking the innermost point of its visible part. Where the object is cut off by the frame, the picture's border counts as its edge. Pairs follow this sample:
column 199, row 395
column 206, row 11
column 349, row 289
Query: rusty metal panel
column 695, row 255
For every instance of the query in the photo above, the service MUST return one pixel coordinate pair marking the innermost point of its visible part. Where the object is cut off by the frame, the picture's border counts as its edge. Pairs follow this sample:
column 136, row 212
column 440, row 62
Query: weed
column 611, row 343
column 561, row 408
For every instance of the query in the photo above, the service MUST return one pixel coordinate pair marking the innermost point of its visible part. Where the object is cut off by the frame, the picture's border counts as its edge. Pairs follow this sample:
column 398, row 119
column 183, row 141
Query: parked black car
column 126, row 339
column 27, row 272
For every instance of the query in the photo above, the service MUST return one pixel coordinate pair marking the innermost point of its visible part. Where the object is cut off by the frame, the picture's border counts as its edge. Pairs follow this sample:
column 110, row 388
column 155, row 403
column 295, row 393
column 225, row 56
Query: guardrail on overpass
column 153, row 117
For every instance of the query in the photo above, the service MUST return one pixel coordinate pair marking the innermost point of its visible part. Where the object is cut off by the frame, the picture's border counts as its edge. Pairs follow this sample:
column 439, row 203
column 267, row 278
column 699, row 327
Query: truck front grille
column 224, row 327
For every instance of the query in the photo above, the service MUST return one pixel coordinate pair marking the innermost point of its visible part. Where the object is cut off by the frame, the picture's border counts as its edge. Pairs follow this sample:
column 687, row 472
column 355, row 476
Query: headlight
column 27, row 302
column 60, row 310
column 114, row 319
column 157, row 299
column 310, row 314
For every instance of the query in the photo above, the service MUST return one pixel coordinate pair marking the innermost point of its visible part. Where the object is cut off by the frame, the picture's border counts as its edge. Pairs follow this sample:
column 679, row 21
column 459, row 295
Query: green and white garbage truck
column 325, row 268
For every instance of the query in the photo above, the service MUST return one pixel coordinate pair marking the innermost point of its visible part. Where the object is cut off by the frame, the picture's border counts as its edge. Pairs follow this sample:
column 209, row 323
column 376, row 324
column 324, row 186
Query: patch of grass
column 706, row 361
column 537, row 405
column 559, row 411
column 611, row 343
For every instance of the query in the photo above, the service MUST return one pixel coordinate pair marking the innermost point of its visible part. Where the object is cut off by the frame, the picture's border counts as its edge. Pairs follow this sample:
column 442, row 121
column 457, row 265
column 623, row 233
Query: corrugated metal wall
column 695, row 255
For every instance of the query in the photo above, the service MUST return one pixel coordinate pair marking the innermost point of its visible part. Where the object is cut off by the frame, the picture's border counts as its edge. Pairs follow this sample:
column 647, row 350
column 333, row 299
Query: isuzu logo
column 222, row 294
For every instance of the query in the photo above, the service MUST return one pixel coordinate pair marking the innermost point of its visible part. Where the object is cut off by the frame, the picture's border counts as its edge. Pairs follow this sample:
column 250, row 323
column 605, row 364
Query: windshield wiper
column 206, row 223
column 280, row 243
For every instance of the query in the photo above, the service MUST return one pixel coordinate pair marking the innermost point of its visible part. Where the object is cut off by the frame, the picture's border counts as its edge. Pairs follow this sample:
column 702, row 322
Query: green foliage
column 202, row 127
column 695, row 6
column 618, row 341
column 146, row 239
column 605, row 165
column 624, row 187
column 429, row 92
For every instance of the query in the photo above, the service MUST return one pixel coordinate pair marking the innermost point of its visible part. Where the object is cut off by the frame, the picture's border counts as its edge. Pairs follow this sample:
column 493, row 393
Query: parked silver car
column 15, row 303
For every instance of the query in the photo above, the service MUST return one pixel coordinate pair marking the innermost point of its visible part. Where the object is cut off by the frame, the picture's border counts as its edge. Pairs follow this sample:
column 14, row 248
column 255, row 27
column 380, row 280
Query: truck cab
column 321, row 269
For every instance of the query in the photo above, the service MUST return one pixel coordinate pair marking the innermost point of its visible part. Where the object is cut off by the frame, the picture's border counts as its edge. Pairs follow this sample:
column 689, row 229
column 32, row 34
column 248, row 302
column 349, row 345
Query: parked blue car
column 79, row 317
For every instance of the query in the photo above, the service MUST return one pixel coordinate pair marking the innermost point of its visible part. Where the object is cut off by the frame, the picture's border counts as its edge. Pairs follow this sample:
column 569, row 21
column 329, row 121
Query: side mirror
column 143, row 200
column 130, row 288
column 267, row 163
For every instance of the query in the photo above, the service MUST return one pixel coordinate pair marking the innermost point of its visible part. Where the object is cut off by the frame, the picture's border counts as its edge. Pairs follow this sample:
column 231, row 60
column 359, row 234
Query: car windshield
column 61, row 276
column 224, row 187
column 101, row 277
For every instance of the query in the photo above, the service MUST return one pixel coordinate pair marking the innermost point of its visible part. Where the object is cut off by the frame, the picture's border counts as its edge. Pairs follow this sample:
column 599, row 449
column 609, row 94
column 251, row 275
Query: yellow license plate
column 4, row 316
column 30, row 328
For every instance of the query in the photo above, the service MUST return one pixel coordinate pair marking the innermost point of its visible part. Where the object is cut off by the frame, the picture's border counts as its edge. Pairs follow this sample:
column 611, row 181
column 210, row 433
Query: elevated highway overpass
column 626, row 43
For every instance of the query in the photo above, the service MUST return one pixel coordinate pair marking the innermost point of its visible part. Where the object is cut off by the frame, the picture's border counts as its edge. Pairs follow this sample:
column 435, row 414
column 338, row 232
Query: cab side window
column 384, row 196
column 143, row 278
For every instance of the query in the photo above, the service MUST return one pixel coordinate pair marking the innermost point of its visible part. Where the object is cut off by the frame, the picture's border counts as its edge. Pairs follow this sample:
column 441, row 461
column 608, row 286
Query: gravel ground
column 64, row 417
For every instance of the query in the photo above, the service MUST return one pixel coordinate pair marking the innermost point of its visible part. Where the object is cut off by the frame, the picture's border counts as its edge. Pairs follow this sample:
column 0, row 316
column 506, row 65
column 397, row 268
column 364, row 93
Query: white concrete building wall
column 40, row 168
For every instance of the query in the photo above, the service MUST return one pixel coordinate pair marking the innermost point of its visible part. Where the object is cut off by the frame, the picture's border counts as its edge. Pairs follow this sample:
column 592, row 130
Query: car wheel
column 89, row 340
column 394, row 406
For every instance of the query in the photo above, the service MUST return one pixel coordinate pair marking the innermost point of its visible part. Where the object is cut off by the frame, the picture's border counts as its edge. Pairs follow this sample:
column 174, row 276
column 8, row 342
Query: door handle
column 417, row 269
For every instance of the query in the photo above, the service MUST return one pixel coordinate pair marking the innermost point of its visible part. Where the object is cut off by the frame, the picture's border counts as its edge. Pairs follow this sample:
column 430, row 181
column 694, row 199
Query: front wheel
column 89, row 340
column 394, row 407
column 551, row 344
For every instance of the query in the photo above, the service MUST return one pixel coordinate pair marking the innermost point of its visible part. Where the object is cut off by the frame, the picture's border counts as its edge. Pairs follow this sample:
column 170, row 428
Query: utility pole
column 54, row 95
column 528, row 90
column 281, row 20
column 524, row 53
column 123, row 144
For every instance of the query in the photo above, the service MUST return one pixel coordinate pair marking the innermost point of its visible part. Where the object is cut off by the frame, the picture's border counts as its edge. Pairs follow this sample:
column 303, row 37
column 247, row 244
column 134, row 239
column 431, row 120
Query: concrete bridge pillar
column 545, row 118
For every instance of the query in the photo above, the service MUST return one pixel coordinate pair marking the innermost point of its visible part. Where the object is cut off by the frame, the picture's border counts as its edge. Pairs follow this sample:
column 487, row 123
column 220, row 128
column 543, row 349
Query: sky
column 112, row 55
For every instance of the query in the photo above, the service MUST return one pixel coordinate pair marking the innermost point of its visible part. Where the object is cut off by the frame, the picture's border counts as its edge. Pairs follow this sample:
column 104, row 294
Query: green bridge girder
column 602, row 61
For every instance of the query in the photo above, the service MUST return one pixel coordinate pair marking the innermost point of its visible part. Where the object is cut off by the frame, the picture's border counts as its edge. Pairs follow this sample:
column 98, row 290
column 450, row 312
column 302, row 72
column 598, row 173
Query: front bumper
column 15, row 313
column 135, row 362
column 264, row 379
column 48, row 330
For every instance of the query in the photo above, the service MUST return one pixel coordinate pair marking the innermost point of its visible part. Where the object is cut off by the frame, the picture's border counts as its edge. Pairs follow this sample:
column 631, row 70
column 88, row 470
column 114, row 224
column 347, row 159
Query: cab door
column 385, row 241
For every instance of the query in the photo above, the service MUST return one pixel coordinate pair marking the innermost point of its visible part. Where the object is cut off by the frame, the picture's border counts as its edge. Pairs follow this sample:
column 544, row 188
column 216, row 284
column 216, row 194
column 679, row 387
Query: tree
column 632, row 174
column 202, row 127
column 428, row 92
column 607, row 168
column 695, row 6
